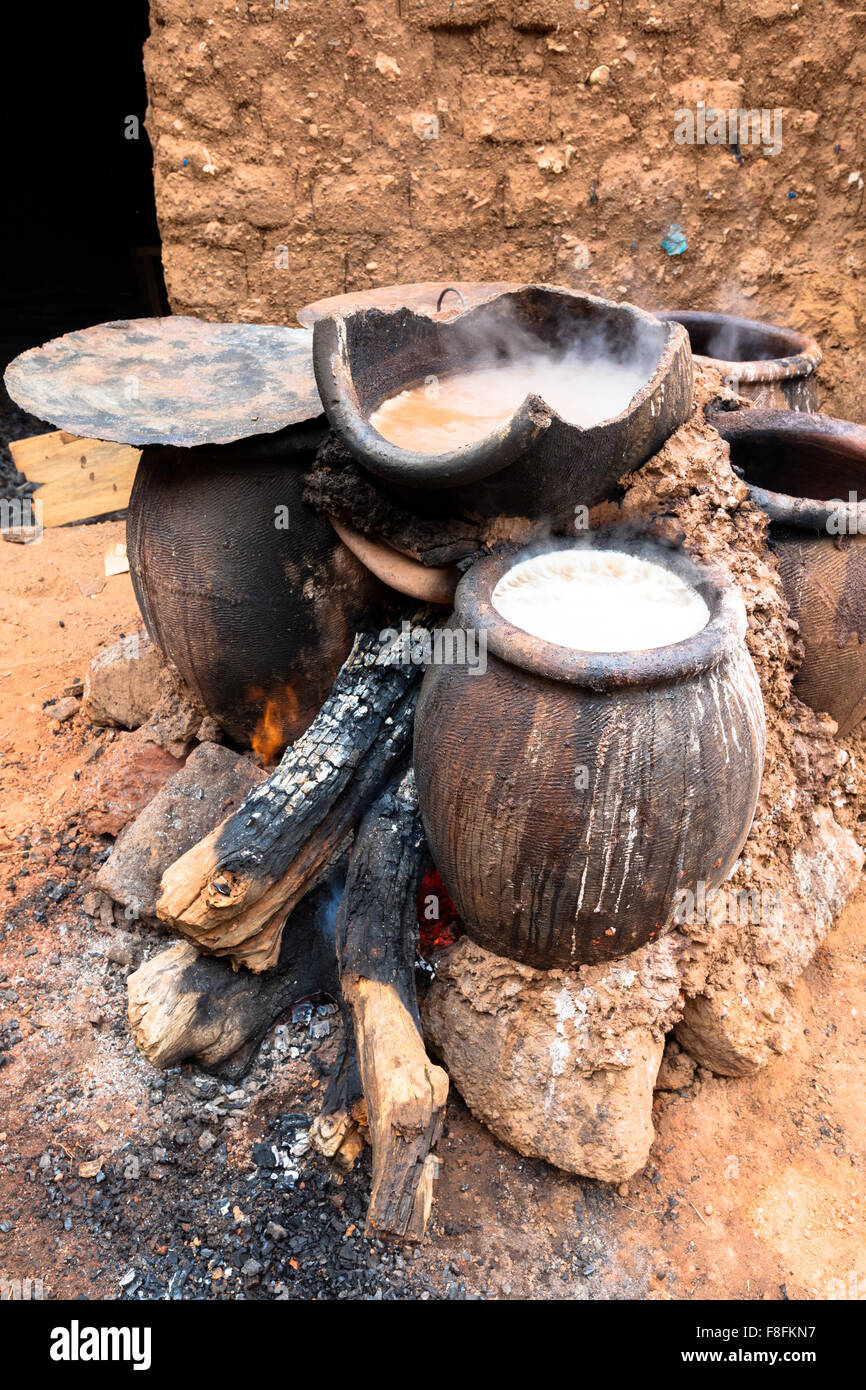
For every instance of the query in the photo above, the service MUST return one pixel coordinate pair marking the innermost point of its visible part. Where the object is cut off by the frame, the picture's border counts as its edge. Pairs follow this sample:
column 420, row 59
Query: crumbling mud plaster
column 303, row 150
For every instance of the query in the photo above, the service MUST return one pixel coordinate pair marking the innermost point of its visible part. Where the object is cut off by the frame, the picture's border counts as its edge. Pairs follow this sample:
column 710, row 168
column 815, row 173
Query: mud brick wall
column 304, row 149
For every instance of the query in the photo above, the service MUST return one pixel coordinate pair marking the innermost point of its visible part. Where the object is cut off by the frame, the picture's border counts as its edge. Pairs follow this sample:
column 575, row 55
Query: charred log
column 183, row 1005
column 232, row 892
column 376, row 934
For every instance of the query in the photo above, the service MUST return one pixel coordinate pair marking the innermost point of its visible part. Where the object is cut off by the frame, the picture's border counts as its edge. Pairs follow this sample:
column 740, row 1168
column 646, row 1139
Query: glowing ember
column 438, row 924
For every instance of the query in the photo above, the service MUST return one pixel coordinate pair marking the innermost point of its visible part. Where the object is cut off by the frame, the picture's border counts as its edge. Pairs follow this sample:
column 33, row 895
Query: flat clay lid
column 421, row 297
column 169, row 381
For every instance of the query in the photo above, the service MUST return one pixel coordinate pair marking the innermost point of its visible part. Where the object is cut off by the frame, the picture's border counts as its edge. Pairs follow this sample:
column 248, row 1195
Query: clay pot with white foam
column 808, row 473
column 774, row 367
column 534, row 462
column 569, row 796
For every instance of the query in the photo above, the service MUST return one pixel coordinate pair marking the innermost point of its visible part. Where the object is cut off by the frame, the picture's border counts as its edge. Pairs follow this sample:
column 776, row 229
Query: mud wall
column 303, row 149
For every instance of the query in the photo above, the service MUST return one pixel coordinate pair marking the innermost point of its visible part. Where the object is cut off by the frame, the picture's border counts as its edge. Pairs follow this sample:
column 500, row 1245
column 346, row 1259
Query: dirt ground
column 754, row 1188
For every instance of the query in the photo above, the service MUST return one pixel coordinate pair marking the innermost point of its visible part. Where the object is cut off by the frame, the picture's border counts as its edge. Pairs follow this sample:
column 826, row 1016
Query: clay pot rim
column 606, row 670
column 497, row 450
column 401, row 296
column 787, row 509
column 804, row 358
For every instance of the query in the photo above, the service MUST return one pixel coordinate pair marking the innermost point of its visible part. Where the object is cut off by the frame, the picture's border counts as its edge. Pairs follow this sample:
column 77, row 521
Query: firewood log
column 232, row 892
column 183, row 1005
column 377, row 934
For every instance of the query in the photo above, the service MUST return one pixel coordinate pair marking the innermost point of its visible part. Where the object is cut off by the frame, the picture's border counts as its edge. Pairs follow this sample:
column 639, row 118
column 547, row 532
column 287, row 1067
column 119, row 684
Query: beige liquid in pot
column 450, row 412
column 599, row 601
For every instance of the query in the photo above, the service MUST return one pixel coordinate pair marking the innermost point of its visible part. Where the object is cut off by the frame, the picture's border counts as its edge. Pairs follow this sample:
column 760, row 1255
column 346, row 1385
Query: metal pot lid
column 170, row 381
column 422, row 297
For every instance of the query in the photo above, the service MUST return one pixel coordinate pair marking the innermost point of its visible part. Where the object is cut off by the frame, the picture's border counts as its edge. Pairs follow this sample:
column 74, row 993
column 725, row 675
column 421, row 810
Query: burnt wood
column 377, row 933
column 232, row 892
column 183, row 1005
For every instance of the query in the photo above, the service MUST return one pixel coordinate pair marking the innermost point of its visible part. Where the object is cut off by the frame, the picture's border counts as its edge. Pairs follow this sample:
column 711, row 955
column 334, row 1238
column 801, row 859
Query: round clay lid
column 170, row 381
column 421, row 298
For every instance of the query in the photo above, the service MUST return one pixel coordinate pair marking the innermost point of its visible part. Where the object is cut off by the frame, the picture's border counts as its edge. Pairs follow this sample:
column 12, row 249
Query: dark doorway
column 79, row 242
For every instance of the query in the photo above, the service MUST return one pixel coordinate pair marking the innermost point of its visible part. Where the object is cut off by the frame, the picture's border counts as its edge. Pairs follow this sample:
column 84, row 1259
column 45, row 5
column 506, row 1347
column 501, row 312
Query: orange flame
column 276, row 723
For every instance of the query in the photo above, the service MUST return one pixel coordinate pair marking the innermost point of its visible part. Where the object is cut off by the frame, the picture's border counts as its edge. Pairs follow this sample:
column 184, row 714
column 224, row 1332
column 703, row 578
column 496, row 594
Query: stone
column 177, row 717
column 558, row 1064
column 61, row 710
column 741, row 1017
column 677, row 1069
column 211, row 785
column 122, row 684
column 123, row 949
column 826, row 871
column 123, row 781
column 741, row 1024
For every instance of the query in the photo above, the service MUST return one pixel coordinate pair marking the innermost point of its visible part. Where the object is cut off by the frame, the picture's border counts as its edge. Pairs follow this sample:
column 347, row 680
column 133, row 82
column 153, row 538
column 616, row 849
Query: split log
column 183, row 1005
column 232, row 892
column 377, row 933
column 340, row 1130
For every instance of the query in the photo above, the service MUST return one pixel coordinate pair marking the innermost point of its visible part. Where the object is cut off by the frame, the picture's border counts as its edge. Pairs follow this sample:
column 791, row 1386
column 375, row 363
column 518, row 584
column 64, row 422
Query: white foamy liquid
column 452, row 411
column 599, row 601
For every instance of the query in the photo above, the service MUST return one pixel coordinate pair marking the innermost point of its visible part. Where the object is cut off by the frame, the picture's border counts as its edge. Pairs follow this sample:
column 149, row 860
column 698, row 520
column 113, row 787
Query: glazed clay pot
column 568, row 795
column 800, row 470
column 249, row 610
column 536, row 464
column 774, row 367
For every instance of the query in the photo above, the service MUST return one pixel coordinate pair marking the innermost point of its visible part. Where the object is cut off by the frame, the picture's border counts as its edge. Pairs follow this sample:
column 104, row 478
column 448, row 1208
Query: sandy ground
column 754, row 1188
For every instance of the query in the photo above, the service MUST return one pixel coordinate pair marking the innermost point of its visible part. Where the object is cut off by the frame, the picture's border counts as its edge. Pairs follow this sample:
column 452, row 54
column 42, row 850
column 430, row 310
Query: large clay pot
column 568, row 795
column 256, row 606
column 429, row 297
column 774, row 367
column 800, row 469
column 536, row 464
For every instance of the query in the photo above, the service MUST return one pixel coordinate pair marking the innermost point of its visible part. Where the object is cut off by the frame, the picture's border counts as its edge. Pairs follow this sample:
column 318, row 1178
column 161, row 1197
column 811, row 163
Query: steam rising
column 597, row 600
column 586, row 376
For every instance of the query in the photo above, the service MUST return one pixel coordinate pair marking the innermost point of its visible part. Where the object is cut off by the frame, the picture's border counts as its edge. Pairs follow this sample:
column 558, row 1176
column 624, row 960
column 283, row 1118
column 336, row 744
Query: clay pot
column 775, row 367
column 800, row 471
column 422, row 297
column 568, row 795
column 250, row 610
column 536, row 464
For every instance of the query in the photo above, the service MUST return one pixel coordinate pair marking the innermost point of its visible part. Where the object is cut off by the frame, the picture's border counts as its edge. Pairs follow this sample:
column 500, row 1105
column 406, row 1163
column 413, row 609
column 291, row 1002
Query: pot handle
column 451, row 289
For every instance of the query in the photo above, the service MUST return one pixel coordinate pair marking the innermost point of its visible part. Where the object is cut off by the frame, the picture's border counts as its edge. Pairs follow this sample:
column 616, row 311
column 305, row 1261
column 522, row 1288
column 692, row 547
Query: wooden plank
column 79, row 478
column 39, row 453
